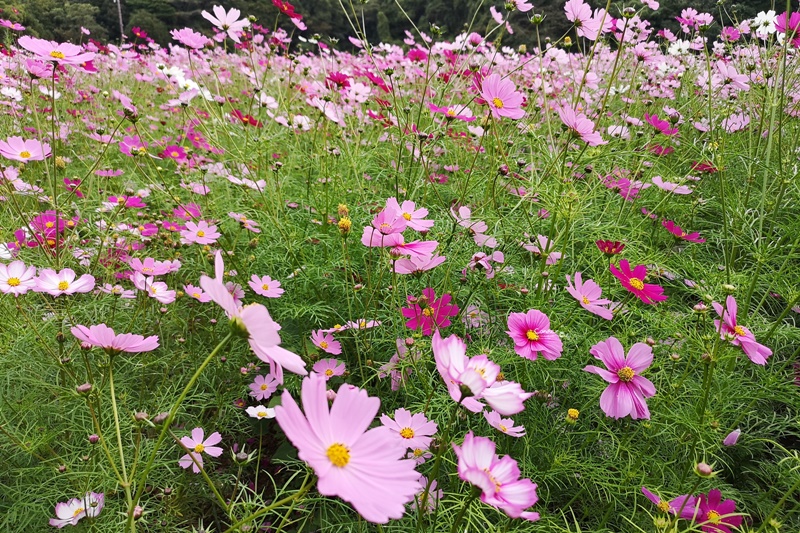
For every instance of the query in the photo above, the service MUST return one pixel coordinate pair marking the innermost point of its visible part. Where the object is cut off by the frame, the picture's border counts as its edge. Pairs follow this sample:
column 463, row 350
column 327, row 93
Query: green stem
column 475, row 493
column 296, row 496
column 124, row 482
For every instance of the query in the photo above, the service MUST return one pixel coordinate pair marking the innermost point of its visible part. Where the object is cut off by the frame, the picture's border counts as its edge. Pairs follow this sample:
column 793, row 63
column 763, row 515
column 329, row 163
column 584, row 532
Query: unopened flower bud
column 703, row 470
column 730, row 289
column 160, row 418
column 137, row 512
column 141, row 416
column 330, row 395
column 86, row 388
column 94, row 439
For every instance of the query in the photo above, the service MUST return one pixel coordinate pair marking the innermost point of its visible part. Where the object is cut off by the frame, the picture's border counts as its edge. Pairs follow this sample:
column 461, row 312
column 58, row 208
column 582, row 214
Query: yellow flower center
column 323, row 345
column 63, row 285
column 142, row 150
column 532, row 335
column 663, row 506
column 407, row 433
column 265, row 287
column 13, row 282
column 49, row 224
column 585, row 300
column 199, row 448
column 328, row 372
column 337, row 326
column 174, row 153
column 78, row 511
column 201, row 233
column 502, row 428
column 196, row 294
column 385, row 227
column 739, row 330
column 625, row 374
column 573, row 414
column 56, row 54
column 153, row 290
column 714, row 517
column 497, row 103
column 264, row 386
column 407, row 216
column 25, row 154
column 427, row 311
column 338, row 455
column 636, row 283
column 261, row 414
column 418, row 452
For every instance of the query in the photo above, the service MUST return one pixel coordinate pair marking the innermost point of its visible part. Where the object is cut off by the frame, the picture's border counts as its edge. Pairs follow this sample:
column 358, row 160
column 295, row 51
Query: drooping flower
column 627, row 389
column 325, row 341
column 19, row 149
column 504, row 425
column 329, row 368
column 362, row 466
column 417, row 265
column 190, row 38
column 265, row 286
column 633, row 281
column 532, row 335
column 70, row 512
column 543, row 246
column 414, row 431
column 427, row 312
column 227, row 21
column 104, row 337
column 16, row 278
column 663, row 126
column 255, row 321
column 497, row 478
column 63, row 282
column 502, row 97
column 588, row 295
column 196, row 445
column 738, row 335
column 262, row 387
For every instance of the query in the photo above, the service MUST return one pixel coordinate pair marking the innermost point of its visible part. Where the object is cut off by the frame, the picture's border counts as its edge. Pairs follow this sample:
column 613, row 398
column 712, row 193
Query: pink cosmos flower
column 129, row 202
column 789, row 24
column 427, row 312
column 714, row 515
column 255, row 321
column 483, row 262
column 502, row 97
column 476, row 227
column 151, row 267
column 532, row 335
column 505, row 425
column 63, row 282
column 104, row 337
column 417, row 265
column 266, row 286
column 627, row 389
column 632, row 280
column 580, row 126
column 362, row 466
column 739, row 335
column 19, row 149
column 61, row 53
column 413, row 431
column 676, row 230
column 70, row 512
column 453, row 112
column 662, row 126
column 154, row 289
column 118, row 290
column 588, row 295
column 326, row 342
column 408, row 211
column 478, row 374
column 199, row 233
column 190, row 38
column 132, row 146
column 196, row 445
column 262, row 387
column 329, row 368
column 674, row 506
column 497, row 478
column 227, row 21
column 543, row 246
column 16, row 278
column 668, row 186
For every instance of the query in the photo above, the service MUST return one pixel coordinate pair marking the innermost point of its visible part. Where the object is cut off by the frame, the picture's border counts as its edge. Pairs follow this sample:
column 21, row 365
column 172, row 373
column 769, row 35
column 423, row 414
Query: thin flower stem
column 131, row 525
column 210, row 483
column 475, row 493
column 124, row 481
column 296, row 496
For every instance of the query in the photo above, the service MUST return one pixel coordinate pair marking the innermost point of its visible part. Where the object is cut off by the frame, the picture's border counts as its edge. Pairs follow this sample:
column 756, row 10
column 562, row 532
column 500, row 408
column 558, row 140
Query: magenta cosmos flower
column 16, row 278
column 676, row 230
column 360, row 465
column 63, row 282
column 532, row 335
column 104, row 337
column 265, row 286
column 71, row 512
column 633, row 280
column 497, row 478
column 673, row 506
column 427, row 312
column 627, row 389
column 588, row 295
column 62, row 53
column 414, row 217
column 196, row 445
column 502, row 97
column 19, row 149
column 413, row 431
column 713, row 514
column 739, row 335
column 255, row 321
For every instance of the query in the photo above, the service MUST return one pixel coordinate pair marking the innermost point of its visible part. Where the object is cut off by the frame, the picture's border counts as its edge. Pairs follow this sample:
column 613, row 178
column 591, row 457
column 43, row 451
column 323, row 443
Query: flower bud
column 86, row 388
column 572, row 416
column 94, row 439
column 703, row 470
column 160, row 418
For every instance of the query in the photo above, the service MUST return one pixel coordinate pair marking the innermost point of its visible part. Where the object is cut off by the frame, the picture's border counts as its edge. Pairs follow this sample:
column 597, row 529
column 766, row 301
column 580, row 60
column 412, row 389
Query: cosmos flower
column 16, row 278
column 262, row 387
column 196, row 445
column 260, row 412
column 532, row 335
column 502, row 97
column 676, row 230
column 414, row 431
column 200, row 233
column 504, row 425
column 61, row 53
column 227, row 21
column 579, row 125
column 714, row 515
column 325, row 341
column 63, row 282
column 588, row 295
column 633, row 281
column 737, row 334
column 71, row 512
column 627, row 389
column 329, row 368
column 427, row 312
column 674, row 506
column 24, row 150
column 104, row 337
column 361, row 466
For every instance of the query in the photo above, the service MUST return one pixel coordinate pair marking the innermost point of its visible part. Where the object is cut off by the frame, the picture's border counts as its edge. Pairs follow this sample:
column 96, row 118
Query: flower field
column 264, row 281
